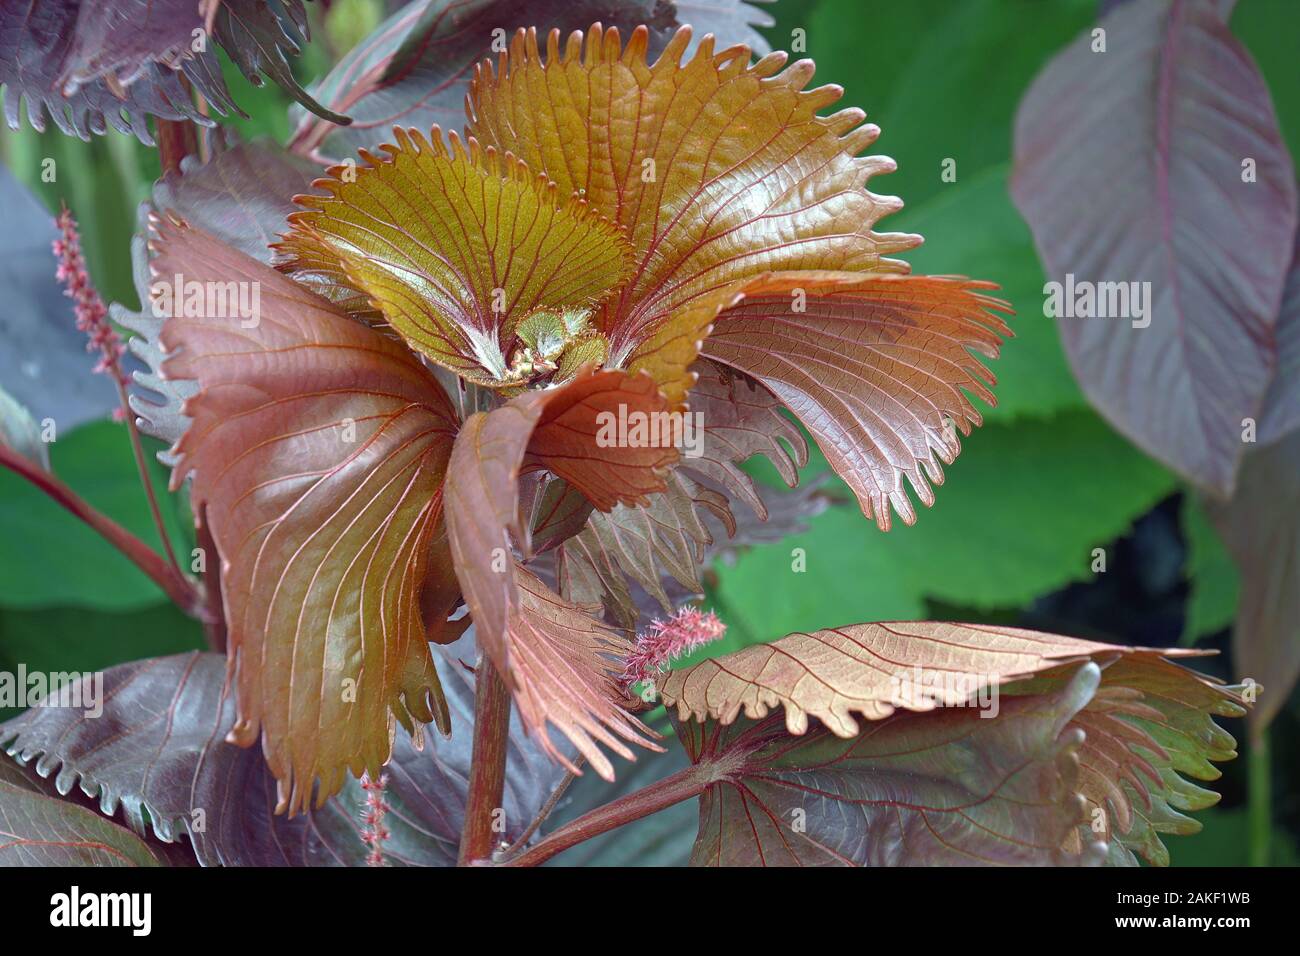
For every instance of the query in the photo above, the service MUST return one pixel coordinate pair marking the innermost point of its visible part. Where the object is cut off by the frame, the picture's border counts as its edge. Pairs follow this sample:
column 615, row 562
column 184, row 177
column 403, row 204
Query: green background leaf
column 49, row 558
column 1019, row 513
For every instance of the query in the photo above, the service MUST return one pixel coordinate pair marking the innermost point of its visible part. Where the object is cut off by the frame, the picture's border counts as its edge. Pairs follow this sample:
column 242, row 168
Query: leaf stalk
column 683, row 785
column 487, row 774
column 185, row 593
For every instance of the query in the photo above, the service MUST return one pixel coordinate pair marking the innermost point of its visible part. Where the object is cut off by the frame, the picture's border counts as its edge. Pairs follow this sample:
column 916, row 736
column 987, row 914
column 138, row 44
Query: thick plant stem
column 682, row 785
column 176, row 586
column 487, row 773
column 176, row 140
column 1259, row 799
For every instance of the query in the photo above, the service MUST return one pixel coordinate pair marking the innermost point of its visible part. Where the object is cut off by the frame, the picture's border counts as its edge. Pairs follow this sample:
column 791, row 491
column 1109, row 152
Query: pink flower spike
column 374, row 833
column 663, row 641
column 92, row 314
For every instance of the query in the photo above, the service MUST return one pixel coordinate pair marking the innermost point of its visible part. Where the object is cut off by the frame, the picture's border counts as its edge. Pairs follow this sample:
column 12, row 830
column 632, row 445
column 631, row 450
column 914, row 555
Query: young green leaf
column 455, row 247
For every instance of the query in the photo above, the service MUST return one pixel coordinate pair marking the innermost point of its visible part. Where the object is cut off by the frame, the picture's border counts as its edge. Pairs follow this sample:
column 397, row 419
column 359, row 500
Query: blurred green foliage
column 60, row 561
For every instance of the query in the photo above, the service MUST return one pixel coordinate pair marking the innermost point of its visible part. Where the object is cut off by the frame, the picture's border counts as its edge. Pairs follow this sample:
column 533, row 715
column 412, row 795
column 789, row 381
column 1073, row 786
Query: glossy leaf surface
column 318, row 448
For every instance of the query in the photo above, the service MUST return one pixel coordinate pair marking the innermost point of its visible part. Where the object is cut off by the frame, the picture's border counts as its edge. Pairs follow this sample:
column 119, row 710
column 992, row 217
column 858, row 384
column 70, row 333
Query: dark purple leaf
column 414, row 70
column 1159, row 161
column 742, row 419
column 113, row 63
column 1281, row 412
column 159, row 749
column 260, row 36
column 1261, row 528
column 242, row 195
column 661, row 839
column 914, row 789
column 90, row 72
column 36, row 830
column 788, row 511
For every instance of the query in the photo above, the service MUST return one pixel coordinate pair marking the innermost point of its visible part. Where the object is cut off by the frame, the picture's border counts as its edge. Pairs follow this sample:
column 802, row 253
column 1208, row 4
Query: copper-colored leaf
column 1149, row 723
column 455, row 246
column 939, row 788
column 317, row 447
column 564, row 669
column 877, row 368
column 440, row 595
column 558, row 429
column 1130, row 168
column 70, row 65
column 717, row 170
column 868, row 669
column 666, row 536
column 241, row 196
column 558, row 511
column 742, row 419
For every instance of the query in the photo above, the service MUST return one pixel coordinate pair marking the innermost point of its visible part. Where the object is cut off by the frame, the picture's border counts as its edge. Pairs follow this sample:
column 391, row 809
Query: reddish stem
column 214, row 621
column 487, row 773
column 176, row 140
column 175, row 585
column 682, row 785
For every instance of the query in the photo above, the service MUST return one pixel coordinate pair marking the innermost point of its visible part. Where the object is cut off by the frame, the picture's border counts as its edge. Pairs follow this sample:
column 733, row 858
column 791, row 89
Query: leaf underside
column 241, row 196
column 941, row 788
column 1133, row 728
column 1260, row 526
